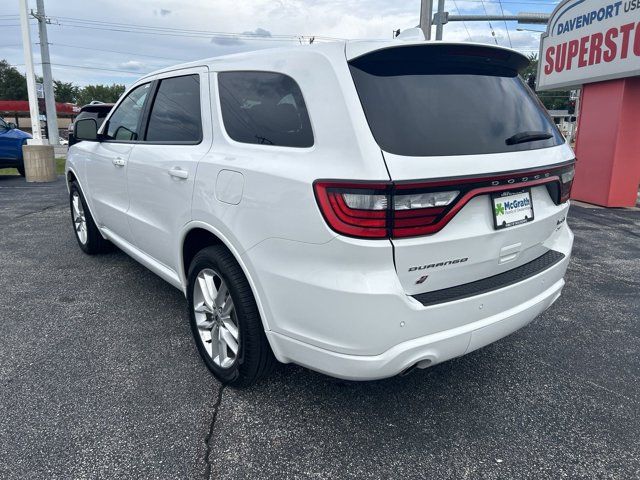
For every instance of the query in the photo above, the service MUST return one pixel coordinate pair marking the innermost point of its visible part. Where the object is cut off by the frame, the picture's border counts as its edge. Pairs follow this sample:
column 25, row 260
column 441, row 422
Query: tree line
column 13, row 86
column 553, row 99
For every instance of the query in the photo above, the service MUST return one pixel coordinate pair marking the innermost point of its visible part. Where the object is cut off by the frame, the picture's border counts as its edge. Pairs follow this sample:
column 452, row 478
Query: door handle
column 119, row 162
column 177, row 172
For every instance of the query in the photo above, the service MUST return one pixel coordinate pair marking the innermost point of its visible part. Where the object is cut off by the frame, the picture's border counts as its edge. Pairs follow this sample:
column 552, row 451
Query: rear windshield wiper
column 524, row 137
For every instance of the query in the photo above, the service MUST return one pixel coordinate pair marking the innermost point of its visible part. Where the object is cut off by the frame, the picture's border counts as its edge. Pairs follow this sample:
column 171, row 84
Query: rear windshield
column 431, row 101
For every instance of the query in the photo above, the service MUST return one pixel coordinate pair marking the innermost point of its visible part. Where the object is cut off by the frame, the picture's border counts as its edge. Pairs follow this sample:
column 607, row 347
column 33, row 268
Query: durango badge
column 439, row 264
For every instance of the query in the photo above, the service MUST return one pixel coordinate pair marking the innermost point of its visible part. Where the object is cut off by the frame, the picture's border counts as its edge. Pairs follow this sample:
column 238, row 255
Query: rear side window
column 264, row 108
column 175, row 115
column 438, row 101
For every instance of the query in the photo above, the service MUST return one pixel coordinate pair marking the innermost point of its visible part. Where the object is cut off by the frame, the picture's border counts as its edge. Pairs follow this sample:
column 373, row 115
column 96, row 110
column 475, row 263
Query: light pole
column 426, row 14
column 38, row 157
column 440, row 20
column 52, row 115
column 31, row 76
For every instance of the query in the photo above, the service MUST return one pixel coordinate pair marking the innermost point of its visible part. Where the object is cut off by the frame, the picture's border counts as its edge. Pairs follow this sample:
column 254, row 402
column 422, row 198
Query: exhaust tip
column 426, row 363
column 422, row 364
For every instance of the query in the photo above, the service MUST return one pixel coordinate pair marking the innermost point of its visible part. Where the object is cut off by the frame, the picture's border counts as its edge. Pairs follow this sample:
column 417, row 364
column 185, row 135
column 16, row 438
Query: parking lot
column 99, row 377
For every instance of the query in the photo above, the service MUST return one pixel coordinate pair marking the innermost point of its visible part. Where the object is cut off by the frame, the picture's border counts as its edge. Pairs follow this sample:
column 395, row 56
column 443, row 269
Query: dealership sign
column 590, row 41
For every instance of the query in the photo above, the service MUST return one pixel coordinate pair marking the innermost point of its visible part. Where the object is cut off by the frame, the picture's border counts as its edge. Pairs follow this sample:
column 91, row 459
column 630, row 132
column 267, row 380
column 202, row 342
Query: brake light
column 399, row 210
column 355, row 209
column 566, row 183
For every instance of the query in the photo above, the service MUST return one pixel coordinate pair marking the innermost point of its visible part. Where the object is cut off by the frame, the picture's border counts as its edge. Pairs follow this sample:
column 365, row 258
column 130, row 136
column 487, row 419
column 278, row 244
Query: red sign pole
column 608, row 144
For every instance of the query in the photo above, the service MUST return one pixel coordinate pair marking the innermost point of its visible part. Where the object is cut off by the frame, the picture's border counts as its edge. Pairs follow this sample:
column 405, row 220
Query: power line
column 118, row 51
column 505, row 24
column 493, row 33
column 209, row 35
column 139, row 74
column 169, row 31
column 463, row 23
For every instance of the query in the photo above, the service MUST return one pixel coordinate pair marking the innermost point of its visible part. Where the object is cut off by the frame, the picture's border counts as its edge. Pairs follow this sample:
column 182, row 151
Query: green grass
column 13, row 171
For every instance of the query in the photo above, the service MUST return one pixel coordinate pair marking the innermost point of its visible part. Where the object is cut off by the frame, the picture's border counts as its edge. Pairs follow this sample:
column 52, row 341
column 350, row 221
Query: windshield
column 3, row 124
column 426, row 101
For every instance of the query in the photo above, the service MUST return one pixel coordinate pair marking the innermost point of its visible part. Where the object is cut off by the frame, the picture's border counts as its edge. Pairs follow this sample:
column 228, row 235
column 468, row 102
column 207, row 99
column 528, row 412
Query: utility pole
column 426, row 14
column 31, row 76
column 440, row 20
column 524, row 17
column 49, row 98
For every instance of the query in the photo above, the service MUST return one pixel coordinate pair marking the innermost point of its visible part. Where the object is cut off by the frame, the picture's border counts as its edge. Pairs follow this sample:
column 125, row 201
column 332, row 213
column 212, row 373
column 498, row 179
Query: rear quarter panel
column 277, row 198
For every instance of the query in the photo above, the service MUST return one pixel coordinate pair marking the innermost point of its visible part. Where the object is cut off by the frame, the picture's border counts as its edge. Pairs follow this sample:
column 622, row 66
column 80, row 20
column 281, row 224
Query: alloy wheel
column 79, row 219
column 216, row 318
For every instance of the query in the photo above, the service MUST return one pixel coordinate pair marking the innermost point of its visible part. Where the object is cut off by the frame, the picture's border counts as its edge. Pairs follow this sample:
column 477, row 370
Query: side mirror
column 11, row 125
column 86, row 129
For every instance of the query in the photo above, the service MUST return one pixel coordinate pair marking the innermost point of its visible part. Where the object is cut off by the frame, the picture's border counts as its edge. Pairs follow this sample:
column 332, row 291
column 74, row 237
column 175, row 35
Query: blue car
column 11, row 141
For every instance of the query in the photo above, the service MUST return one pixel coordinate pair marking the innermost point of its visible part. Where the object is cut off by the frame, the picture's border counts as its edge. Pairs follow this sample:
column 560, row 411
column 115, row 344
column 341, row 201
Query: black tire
column 254, row 360
column 20, row 170
column 95, row 242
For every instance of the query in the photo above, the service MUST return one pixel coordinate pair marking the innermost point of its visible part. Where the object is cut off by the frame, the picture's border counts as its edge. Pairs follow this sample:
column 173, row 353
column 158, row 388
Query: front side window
column 125, row 121
column 264, row 108
column 175, row 114
column 3, row 125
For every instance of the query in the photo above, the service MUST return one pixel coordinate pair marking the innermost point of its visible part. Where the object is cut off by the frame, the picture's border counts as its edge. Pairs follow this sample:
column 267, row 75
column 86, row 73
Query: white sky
column 79, row 36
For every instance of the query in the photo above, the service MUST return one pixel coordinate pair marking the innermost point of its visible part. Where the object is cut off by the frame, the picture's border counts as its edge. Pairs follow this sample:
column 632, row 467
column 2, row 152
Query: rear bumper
column 339, row 308
column 424, row 351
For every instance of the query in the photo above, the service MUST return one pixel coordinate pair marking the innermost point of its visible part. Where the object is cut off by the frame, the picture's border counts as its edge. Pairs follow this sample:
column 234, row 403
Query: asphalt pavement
column 99, row 377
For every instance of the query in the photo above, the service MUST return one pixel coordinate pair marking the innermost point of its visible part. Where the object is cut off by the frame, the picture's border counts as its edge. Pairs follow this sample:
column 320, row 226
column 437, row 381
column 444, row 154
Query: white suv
column 359, row 208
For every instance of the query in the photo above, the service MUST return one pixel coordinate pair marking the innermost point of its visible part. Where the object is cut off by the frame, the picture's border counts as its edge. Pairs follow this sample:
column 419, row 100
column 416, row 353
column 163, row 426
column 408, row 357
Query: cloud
column 258, row 32
column 133, row 66
column 227, row 41
column 259, row 22
column 231, row 40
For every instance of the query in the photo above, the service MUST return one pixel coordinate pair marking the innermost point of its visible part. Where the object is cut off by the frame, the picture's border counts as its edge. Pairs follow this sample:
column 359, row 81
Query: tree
column 13, row 85
column 102, row 93
column 552, row 100
column 65, row 92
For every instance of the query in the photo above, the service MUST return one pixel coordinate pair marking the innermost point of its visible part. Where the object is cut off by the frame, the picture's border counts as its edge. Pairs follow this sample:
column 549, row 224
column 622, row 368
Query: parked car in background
column 95, row 110
column 11, row 142
column 359, row 208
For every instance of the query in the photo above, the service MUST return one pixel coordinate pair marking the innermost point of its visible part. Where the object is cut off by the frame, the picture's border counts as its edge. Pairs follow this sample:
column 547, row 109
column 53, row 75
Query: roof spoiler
column 439, row 52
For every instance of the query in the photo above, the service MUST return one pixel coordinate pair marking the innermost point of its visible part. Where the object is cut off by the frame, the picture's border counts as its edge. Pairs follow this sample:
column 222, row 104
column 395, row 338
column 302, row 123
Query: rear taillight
column 381, row 210
column 416, row 210
column 566, row 182
column 355, row 209
column 400, row 210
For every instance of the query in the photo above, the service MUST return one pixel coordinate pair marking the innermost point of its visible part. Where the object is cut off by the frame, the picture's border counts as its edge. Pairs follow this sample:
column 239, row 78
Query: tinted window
column 97, row 115
column 427, row 101
column 175, row 115
column 123, row 124
column 264, row 108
